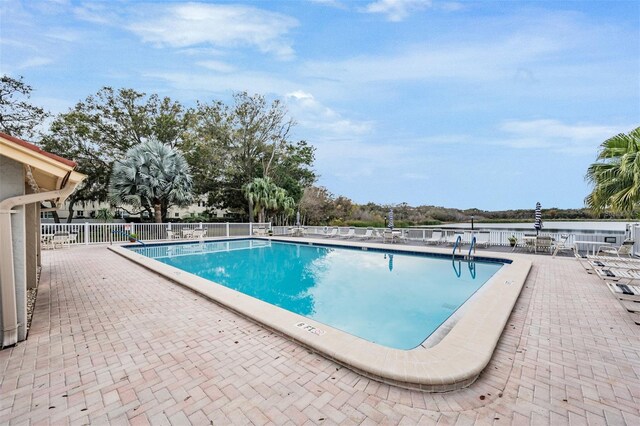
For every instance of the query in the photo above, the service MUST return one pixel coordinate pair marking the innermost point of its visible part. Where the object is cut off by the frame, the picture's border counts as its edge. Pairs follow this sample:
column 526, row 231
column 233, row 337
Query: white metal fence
column 496, row 237
column 101, row 233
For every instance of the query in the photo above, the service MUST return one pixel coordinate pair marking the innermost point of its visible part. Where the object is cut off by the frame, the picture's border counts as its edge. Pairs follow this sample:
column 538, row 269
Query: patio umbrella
column 538, row 222
column 390, row 224
column 298, row 218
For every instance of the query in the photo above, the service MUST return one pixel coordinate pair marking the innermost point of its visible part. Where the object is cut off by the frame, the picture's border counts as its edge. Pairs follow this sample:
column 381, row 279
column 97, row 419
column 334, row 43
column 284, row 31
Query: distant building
column 88, row 210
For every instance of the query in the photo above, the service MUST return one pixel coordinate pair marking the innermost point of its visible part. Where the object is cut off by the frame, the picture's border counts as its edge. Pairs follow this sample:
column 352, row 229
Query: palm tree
column 151, row 175
column 104, row 215
column 616, row 174
column 267, row 197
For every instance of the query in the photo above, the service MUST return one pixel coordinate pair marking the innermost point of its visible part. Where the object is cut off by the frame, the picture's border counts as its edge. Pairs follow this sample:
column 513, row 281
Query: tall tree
column 104, row 126
column 151, row 174
column 616, row 174
column 316, row 205
column 18, row 117
column 246, row 140
column 267, row 198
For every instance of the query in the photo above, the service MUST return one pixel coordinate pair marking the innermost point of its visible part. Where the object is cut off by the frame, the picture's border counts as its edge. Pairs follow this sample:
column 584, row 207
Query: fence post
column 227, row 229
column 250, row 228
column 133, row 228
column 86, row 233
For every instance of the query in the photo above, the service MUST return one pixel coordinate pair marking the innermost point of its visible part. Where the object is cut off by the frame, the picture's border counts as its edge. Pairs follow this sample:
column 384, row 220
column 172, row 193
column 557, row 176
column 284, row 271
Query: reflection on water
column 457, row 268
column 393, row 299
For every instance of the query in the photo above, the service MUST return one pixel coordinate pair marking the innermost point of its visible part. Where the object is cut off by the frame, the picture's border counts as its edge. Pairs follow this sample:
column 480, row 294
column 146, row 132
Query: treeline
column 319, row 207
column 227, row 146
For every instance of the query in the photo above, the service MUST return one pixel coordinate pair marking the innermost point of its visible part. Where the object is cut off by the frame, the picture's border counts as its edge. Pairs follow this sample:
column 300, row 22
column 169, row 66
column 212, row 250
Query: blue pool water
column 396, row 300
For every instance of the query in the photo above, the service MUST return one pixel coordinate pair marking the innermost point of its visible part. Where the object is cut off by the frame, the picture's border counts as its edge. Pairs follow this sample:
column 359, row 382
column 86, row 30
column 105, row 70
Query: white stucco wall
column 11, row 184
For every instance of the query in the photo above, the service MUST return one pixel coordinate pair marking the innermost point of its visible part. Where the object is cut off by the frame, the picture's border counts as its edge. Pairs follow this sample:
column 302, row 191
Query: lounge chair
column 452, row 238
column 333, row 233
column 350, row 233
column 617, row 274
column 613, row 262
column 626, row 249
column 436, row 238
column 367, row 235
column 625, row 291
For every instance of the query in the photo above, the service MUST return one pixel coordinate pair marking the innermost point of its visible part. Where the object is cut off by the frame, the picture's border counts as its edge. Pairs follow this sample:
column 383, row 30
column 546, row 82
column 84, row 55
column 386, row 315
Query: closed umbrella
column 390, row 224
column 538, row 222
column 298, row 218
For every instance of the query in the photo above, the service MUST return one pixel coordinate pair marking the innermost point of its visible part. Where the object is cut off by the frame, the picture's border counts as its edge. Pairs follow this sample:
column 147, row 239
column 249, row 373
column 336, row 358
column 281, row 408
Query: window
column 177, row 215
column 46, row 215
column 80, row 213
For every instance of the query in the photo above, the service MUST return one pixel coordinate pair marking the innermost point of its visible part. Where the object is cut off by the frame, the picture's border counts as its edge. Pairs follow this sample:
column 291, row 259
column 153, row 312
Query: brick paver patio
column 112, row 342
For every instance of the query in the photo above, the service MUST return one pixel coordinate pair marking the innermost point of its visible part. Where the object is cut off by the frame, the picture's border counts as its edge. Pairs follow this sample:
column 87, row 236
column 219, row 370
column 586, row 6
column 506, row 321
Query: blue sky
column 493, row 105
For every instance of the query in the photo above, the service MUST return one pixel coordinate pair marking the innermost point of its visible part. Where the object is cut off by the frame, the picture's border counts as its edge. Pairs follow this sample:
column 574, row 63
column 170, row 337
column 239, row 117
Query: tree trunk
column 157, row 212
column 250, row 210
column 70, row 217
column 56, row 217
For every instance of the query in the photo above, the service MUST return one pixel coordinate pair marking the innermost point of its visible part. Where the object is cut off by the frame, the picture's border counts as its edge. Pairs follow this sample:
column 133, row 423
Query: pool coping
column 453, row 363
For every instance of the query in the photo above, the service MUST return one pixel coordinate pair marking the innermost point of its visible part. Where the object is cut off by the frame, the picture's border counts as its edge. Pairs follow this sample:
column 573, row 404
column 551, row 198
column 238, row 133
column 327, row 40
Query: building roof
column 35, row 148
column 45, row 170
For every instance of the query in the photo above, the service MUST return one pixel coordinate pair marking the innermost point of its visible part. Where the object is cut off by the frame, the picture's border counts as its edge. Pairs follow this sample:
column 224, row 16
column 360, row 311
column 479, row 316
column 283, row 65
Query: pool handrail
column 456, row 246
column 472, row 246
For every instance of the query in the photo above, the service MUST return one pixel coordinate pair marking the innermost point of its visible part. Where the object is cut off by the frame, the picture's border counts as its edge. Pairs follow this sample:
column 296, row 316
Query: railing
column 104, row 233
column 101, row 233
column 496, row 237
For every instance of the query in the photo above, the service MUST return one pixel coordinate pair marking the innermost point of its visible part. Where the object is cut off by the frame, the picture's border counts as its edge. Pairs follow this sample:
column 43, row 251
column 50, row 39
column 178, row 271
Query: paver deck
column 112, row 342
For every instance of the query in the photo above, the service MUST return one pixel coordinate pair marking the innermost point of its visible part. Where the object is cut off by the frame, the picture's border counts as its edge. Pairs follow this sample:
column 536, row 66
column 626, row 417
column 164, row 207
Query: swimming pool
column 339, row 315
column 386, row 297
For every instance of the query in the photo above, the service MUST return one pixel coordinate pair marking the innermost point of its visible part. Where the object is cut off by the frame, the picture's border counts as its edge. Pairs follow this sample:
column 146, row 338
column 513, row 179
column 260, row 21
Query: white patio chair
column 199, row 233
column 61, row 239
column 563, row 245
column 626, row 249
column 544, row 243
column 387, row 235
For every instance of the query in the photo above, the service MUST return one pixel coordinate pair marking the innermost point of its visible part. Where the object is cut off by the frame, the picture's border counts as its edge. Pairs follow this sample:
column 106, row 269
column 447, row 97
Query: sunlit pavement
column 112, row 342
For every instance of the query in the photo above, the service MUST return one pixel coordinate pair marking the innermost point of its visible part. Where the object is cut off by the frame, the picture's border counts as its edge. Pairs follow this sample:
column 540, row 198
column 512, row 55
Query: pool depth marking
column 309, row 328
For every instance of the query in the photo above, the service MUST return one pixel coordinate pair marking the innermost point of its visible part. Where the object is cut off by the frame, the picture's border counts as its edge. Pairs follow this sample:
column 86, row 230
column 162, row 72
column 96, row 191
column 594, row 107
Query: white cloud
column 198, row 83
column 98, row 13
column 35, row 62
column 556, row 136
column 397, row 10
column 227, row 26
column 470, row 61
column 311, row 114
column 331, row 3
column 217, row 66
